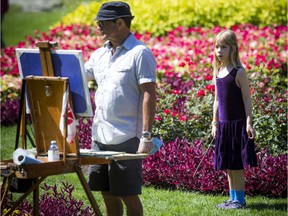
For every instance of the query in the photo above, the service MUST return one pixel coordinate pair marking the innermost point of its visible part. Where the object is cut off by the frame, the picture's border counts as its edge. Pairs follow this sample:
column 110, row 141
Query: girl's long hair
column 228, row 38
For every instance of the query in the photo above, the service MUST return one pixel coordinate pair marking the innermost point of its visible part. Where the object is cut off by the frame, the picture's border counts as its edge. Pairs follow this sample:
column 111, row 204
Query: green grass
column 17, row 25
column 157, row 202
column 161, row 202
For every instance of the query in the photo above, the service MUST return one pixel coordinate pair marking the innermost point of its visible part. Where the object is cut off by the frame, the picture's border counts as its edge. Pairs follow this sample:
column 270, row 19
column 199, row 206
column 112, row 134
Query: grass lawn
column 17, row 25
column 157, row 202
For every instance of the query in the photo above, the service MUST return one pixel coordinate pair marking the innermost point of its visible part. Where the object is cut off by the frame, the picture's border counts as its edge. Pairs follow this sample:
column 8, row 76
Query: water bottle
column 53, row 152
column 157, row 144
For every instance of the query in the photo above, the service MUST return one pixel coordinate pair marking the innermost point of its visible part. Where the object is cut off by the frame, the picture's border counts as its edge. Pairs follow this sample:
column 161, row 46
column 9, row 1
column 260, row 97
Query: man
column 125, row 73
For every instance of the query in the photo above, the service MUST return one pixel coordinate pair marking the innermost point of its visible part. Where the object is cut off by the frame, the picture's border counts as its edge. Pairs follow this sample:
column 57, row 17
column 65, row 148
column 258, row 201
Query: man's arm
column 149, row 105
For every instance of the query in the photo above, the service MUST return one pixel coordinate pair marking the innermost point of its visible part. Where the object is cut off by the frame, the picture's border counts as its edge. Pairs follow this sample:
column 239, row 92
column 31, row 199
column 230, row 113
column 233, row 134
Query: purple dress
column 233, row 149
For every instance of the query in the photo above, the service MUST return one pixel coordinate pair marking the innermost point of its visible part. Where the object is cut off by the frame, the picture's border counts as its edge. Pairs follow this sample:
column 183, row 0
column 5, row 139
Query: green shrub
column 10, row 87
column 161, row 16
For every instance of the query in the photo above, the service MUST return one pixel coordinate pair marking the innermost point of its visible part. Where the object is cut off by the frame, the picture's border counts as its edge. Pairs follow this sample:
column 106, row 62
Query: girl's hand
column 250, row 131
column 214, row 130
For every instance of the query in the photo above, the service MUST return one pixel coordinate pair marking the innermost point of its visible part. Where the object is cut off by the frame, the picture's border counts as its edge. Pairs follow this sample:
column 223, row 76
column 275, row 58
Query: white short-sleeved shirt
column 118, row 114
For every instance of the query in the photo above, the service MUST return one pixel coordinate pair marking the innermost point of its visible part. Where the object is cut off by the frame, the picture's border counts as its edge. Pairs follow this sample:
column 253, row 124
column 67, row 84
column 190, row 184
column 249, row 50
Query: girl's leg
column 238, row 185
column 226, row 204
column 231, row 186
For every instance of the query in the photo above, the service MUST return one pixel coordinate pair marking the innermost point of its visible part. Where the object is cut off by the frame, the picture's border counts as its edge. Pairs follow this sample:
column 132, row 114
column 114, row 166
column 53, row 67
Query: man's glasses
column 101, row 23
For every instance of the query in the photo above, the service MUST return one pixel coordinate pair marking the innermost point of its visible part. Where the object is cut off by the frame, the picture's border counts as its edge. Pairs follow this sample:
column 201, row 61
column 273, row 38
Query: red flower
column 166, row 111
column 174, row 114
column 176, row 92
column 187, row 59
column 182, row 118
column 279, row 100
column 201, row 93
column 210, row 88
column 182, row 64
column 208, row 77
column 157, row 118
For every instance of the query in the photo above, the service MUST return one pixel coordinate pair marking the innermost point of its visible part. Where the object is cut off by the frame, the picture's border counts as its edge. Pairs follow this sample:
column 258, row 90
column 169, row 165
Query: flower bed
column 56, row 200
column 175, row 164
column 185, row 96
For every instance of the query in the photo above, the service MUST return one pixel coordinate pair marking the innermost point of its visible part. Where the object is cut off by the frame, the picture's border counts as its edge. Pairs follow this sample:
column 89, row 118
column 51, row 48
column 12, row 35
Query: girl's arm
column 243, row 83
column 215, row 113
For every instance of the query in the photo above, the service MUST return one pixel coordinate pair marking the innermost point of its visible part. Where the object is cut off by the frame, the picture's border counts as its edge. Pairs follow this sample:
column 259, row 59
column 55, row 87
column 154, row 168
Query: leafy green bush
column 10, row 87
column 269, row 97
column 161, row 16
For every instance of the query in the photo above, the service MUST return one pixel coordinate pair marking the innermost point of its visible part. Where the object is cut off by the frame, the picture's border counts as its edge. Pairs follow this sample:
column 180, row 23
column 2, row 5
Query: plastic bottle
column 53, row 152
column 157, row 144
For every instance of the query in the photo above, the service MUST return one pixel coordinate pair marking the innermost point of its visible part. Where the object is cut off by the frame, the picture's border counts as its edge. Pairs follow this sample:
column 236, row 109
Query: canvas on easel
column 64, row 63
column 54, row 66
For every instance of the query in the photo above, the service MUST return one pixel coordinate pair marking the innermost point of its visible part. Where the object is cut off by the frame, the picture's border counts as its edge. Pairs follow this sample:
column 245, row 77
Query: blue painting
column 66, row 63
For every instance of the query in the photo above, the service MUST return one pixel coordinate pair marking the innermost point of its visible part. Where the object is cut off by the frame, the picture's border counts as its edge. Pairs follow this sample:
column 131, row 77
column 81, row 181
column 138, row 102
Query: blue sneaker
column 236, row 205
column 224, row 204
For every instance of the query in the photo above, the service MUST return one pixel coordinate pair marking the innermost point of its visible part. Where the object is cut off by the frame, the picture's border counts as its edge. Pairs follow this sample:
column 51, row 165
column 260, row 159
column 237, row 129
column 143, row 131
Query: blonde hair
column 228, row 38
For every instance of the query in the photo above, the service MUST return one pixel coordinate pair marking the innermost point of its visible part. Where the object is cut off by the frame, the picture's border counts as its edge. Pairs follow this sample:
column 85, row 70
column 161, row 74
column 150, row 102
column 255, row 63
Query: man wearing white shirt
column 125, row 73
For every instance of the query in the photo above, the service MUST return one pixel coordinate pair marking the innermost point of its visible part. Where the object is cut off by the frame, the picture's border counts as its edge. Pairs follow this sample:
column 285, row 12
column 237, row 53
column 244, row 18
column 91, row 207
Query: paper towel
column 21, row 156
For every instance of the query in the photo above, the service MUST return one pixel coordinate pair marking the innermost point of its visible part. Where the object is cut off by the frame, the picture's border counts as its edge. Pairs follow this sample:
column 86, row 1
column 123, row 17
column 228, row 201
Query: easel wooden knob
column 45, row 56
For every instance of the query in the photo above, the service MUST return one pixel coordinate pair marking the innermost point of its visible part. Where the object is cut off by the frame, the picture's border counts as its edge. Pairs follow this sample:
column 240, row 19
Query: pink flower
column 279, row 100
column 182, row 64
column 176, row 92
column 208, row 77
column 210, row 88
column 157, row 118
column 183, row 118
column 187, row 59
column 166, row 111
column 174, row 114
column 201, row 93
column 266, row 99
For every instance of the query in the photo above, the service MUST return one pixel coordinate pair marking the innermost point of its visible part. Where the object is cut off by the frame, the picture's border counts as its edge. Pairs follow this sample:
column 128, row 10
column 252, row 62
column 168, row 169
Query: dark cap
column 113, row 10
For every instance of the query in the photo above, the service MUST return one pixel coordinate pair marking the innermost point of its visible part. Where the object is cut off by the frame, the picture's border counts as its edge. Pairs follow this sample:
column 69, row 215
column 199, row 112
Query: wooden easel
column 45, row 96
column 45, row 112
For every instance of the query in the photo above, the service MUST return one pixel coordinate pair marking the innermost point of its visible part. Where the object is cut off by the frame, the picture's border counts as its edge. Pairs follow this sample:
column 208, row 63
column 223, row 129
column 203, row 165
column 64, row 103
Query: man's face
column 108, row 29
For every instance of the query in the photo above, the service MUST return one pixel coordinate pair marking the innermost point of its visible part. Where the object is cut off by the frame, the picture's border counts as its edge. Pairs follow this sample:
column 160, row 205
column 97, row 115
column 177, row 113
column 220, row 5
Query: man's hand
column 145, row 146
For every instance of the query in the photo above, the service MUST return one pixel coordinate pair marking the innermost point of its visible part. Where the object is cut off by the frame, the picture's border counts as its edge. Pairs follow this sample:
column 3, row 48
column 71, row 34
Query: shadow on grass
column 262, row 206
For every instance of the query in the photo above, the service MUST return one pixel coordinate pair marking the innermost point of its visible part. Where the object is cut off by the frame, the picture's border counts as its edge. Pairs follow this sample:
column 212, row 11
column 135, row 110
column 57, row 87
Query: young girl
column 232, row 118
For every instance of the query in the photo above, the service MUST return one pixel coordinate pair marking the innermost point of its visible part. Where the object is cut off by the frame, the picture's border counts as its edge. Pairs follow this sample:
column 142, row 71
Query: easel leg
column 3, row 196
column 36, row 200
column 32, row 188
column 88, row 191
